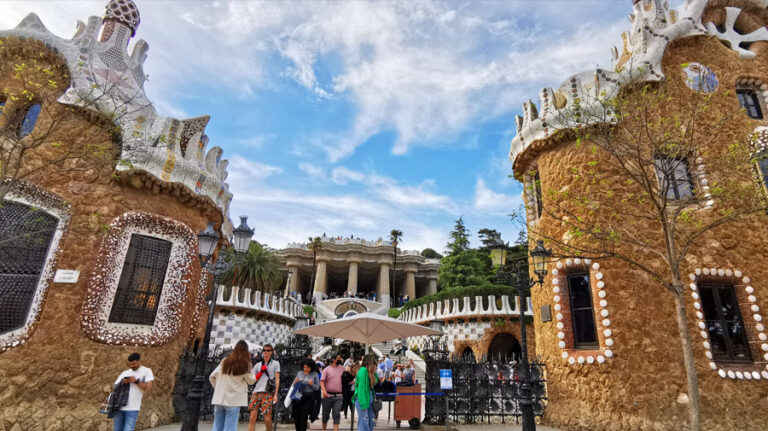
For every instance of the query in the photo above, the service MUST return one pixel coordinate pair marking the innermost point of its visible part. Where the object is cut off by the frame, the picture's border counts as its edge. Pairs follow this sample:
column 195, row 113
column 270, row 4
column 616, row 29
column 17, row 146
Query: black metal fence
column 289, row 356
column 483, row 392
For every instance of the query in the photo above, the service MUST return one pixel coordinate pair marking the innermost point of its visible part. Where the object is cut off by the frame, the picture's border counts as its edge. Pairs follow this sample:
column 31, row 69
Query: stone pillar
column 432, row 286
column 320, row 280
column 410, row 284
column 352, row 278
column 383, row 293
column 294, row 281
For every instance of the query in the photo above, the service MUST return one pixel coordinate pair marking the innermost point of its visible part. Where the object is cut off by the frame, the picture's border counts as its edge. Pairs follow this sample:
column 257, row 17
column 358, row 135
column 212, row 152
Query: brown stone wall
column 640, row 387
column 58, row 378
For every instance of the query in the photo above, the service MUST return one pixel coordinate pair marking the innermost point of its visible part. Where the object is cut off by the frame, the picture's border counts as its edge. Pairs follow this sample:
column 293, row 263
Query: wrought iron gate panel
column 290, row 357
column 483, row 392
column 25, row 237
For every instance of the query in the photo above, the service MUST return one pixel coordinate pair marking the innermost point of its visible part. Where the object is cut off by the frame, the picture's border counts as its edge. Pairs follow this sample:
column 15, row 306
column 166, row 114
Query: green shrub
column 460, row 292
column 394, row 312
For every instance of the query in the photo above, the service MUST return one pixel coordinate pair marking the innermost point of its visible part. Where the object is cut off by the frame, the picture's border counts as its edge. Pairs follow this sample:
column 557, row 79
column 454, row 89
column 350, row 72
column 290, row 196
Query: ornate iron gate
column 483, row 392
column 289, row 357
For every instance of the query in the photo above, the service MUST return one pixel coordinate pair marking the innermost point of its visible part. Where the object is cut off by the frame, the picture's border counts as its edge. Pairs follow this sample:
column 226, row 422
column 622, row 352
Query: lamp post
column 539, row 254
column 288, row 282
column 207, row 241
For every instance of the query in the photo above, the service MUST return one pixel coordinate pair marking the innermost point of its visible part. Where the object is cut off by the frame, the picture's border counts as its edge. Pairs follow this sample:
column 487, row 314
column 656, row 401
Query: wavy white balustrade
column 254, row 300
column 431, row 314
column 462, row 308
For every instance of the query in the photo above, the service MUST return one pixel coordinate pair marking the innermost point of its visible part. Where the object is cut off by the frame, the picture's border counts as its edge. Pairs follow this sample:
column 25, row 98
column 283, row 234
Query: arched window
column 582, row 312
column 30, row 118
column 26, row 234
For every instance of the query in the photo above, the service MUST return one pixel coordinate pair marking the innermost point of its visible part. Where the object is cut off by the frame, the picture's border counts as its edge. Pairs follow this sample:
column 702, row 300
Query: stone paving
column 381, row 424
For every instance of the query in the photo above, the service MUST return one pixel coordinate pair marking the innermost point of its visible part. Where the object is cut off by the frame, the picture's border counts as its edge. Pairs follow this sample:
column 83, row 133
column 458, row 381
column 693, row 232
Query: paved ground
column 381, row 424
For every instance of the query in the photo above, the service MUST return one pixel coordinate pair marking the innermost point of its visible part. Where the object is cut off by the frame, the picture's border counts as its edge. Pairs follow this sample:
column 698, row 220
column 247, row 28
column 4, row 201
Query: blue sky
column 354, row 118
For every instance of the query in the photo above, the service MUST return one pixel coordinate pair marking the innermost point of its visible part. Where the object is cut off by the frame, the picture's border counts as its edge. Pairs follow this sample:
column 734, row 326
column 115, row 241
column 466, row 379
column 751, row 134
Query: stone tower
column 612, row 346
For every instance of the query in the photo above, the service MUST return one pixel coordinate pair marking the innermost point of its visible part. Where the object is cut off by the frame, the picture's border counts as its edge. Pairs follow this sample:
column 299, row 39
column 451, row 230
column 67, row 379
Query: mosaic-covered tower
column 99, row 248
column 611, row 344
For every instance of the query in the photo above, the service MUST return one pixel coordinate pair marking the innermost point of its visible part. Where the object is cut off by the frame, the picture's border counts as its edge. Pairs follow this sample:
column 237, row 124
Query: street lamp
column 242, row 236
column 207, row 241
column 499, row 253
column 539, row 255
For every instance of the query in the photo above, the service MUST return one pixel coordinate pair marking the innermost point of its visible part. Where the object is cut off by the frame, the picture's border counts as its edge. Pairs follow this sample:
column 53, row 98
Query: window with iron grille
column 582, row 312
column 141, row 282
column 672, row 173
column 728, row 338
column 25, row 237
column 749, row 101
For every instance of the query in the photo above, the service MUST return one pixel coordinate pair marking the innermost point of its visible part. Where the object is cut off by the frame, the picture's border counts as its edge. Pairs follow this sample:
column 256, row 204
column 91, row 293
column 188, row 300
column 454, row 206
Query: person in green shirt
column 362, row 397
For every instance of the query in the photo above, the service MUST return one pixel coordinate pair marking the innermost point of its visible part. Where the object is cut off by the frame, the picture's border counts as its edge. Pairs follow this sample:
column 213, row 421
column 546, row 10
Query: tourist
column 397, row 376
column 333, row 392
column 139, row 380
column 388, row 364
column 265, row 392
column 230, row 382
column 298, row 298
column 363, row 395
column 347, row 379
column 409, row 374
column 310, row 384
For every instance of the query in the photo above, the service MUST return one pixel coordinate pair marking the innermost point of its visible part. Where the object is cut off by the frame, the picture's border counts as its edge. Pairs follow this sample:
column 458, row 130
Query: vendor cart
column 408, row 407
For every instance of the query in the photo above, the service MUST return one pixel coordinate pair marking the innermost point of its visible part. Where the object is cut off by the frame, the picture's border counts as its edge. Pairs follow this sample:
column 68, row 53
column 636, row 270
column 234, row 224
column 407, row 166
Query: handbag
column 375, row 403
column 287, row 401
column 297, row 392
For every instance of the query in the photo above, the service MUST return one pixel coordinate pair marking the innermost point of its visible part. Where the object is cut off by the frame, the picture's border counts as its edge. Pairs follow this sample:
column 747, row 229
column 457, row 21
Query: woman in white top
column 230, row 381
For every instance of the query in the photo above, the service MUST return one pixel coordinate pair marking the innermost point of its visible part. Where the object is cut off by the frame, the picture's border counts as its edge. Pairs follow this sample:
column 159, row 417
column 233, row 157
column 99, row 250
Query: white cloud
column 489, row 201
column 285, row 216
column 241, row 168
column 342, row 176
column 390, row 190
column 312, row 170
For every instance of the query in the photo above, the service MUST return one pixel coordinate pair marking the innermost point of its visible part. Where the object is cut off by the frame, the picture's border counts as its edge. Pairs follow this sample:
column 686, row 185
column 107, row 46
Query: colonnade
column 382, row 284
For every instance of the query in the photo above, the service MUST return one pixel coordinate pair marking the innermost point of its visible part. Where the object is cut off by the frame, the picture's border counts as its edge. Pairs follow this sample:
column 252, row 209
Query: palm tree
column 394, row 236
column 314, row 244
column 257, row 269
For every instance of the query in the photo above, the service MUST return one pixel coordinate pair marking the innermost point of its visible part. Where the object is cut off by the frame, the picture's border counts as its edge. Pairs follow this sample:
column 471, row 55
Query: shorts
column 333, row 405
column 261, row 401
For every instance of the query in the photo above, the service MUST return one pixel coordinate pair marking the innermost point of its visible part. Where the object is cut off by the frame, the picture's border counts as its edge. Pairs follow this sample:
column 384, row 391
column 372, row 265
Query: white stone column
column 410, row 284
column 432, row 286
column 320, row 280
column 352, row 277
column 383, row 293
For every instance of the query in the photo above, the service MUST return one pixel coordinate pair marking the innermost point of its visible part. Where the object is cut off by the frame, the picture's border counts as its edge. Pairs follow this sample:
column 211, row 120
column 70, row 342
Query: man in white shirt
column 139, row 379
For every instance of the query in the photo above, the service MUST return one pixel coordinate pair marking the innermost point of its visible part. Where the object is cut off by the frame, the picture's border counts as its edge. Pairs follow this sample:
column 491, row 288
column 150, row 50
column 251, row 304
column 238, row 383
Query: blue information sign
column 446, row 379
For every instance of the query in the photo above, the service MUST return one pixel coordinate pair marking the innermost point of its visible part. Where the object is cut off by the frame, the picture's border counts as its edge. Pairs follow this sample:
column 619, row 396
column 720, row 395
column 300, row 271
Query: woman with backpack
column 230, row 382
column 309, row 383
column 364, row 395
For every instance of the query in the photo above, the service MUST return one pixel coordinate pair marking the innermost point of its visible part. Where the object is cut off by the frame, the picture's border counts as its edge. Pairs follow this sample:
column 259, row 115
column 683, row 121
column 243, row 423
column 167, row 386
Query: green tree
column 466, row 268
column 394, row 236
column 257, row 269
column 430, row 253
column 459, row 238
column 489, row 238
